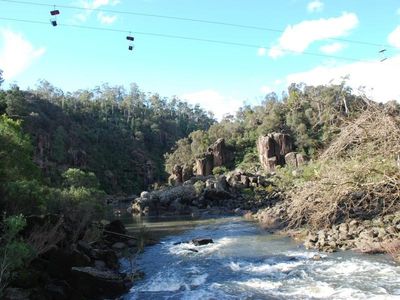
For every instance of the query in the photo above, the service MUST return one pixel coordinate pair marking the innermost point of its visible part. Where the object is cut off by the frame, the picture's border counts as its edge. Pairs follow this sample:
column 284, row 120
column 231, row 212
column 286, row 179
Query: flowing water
column 245, row 262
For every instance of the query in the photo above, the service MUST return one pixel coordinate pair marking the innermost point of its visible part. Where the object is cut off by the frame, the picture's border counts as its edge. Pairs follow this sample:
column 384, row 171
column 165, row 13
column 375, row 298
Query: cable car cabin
column 130, row 38
column 55, row 12
column 53, row 22
column 130, row 48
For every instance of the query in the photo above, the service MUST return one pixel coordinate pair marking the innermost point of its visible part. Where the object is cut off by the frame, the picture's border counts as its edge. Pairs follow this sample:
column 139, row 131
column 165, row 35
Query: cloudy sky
column 219, row 54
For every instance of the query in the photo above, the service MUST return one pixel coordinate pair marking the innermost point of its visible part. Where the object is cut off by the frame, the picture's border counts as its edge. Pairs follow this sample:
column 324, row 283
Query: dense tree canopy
column 310, row 114
column 118, row 135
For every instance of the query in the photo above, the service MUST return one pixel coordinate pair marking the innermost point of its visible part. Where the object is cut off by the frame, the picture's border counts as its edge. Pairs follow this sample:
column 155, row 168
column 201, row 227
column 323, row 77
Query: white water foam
column 163, row 283
column 359, row 267
column 265, row 268
column 260, row 284
column 304, row 254
column 199, row 280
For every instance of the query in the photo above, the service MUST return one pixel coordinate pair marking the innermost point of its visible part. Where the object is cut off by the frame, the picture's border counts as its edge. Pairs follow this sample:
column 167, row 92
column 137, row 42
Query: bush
column 26, row 196
column 78, row 178
column 14, row 253
column 80, row 195
column 219, row 170
column 199, row 186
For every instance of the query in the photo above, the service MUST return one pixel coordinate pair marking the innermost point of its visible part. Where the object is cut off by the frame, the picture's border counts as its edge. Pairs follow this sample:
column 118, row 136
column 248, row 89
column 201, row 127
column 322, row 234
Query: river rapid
column 245, row 262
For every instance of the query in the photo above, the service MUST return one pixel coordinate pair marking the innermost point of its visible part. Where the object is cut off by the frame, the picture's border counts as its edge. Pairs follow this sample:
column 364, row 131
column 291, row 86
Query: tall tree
column 1, row 77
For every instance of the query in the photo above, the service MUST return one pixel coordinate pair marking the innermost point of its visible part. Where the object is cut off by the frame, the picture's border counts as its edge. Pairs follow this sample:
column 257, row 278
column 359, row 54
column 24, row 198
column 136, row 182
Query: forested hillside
column 311, row 115
column 118, row 135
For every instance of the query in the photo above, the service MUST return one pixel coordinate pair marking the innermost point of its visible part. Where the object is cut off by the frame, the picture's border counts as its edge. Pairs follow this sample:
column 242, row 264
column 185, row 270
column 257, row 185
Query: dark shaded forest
column 118, row 135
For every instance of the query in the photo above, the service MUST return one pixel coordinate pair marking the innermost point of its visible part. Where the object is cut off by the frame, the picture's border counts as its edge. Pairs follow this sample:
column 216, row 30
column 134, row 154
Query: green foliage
column 182, row 154
column 248, row 192
column 250, row 161
column 14, row 253
column 26, row 196
column 1, row 77
column 199, row 186
column 287, row 177
column 78, row 178
column 17, row 106
column 80, row 192
column 118, row 135
column 219, row 170
column 15, row 152
column 58, row 153
column 310, row 114
column 19, row 190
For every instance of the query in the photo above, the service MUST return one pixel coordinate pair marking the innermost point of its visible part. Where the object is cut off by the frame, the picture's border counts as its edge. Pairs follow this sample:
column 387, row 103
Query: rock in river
column 202, row 241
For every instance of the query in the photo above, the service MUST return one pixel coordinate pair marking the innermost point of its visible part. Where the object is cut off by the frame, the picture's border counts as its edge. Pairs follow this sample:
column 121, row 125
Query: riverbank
column 77, row 265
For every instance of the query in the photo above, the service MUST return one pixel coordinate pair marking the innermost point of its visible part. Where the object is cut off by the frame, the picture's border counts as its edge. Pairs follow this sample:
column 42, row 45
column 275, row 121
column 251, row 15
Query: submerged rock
column 202, row 241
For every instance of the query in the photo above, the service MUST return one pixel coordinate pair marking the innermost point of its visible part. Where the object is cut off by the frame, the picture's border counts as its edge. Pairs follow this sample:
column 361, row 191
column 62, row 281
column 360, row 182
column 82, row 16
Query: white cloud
column 265, row 89
column 212, row 100
column 16, row 54
column 275, row 52
column 315, row 6
column 277, row 82
column 105, row 19
column 379, row 78
column 299, row 37
column 261, row 51
column 332, row 48
column 96, row 4
column 394, row 37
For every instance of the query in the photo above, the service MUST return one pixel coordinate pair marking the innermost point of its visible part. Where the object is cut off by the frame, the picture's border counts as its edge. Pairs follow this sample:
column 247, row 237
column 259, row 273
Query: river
column 245, row 262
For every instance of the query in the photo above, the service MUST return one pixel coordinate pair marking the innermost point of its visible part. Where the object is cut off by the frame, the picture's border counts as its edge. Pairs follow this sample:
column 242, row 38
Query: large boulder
column 187, row 172
column 96, row 284
column 294, row 159
column 180, row 174
column 272, row 149
column 205, row 164
column 116, row 226
column 177, row 173
column 220, row 152
column 184, row 192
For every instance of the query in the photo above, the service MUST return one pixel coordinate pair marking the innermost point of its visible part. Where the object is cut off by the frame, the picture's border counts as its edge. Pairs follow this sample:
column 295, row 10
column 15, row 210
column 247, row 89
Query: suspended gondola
column 54, row 13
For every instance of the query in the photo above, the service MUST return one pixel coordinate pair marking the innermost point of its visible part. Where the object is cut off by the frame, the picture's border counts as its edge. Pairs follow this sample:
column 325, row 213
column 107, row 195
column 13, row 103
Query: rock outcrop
column 366, row 236
column 96, row 284
column 217, row 155
column 205, row 164
column 203, row 192
column 220, row 153
column 71, row 268
column 272, row 149
column 294, row 159
column 180, row 174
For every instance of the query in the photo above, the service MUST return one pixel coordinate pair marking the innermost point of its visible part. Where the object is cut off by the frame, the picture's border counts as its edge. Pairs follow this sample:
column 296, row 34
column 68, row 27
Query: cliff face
column 272, row 149
column 218, row 155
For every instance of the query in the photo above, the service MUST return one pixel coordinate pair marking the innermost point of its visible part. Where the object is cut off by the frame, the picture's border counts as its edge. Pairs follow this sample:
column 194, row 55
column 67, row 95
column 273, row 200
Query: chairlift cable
column 188, row 38
column 243, row 26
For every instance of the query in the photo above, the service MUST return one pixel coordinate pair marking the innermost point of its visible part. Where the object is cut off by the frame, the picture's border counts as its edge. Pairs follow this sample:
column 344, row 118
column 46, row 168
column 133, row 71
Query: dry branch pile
column 375, row 132
column 359, row 175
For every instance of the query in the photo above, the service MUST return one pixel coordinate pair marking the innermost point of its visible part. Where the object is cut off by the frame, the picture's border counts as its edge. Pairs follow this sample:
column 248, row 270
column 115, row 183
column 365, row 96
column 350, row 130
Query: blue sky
column 219, row 77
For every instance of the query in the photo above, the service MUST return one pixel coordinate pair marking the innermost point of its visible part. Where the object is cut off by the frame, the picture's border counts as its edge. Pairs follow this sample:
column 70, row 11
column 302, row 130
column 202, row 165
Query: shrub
column 14, row 253
column 199, row 186
column 219, row 170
